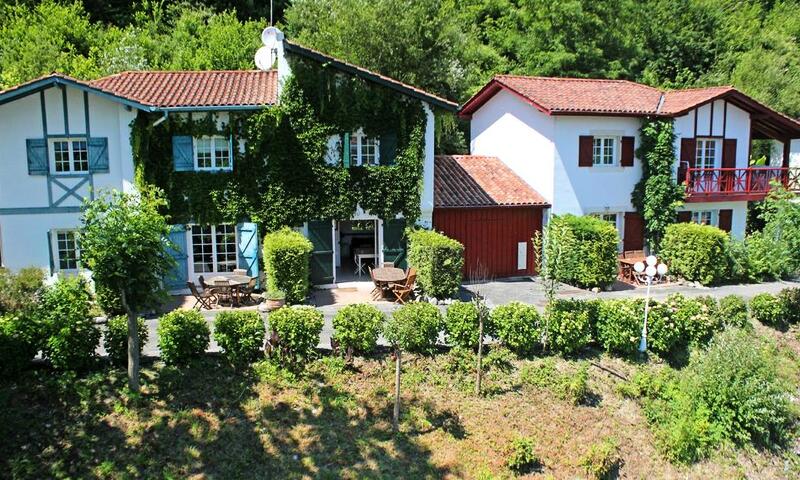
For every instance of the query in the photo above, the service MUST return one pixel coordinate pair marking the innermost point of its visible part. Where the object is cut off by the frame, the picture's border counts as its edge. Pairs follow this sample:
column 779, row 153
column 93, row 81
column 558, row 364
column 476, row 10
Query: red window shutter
column 729, row 153
column 688, row 154
column 684, row 217
column 627, row 152
column 585, row 147
column 634, row 232
column 726, row 219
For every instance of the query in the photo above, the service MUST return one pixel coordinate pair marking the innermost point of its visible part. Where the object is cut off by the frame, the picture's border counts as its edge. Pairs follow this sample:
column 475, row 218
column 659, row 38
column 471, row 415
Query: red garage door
column 497, row 240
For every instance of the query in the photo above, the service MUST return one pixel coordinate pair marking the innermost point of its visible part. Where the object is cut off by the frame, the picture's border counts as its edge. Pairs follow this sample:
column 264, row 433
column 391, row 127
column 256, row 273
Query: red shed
column 481, row 203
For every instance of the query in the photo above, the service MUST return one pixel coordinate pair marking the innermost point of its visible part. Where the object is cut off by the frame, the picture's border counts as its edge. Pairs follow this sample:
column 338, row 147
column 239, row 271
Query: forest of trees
column 450, row 47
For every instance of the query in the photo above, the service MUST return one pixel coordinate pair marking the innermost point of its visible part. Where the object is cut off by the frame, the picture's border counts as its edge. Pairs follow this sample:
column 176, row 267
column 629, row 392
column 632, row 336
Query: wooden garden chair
column 402, row 292
column 205, row 298
column 246, row 292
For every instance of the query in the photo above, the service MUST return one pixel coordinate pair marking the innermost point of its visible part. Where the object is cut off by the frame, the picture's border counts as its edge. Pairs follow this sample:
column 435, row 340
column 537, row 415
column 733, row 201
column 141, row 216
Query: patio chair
column 246, row 292
column 222, row 289
column 402, row 292
column 240, row 271
column 379, row 289
column 205, row 299
column 388, row 265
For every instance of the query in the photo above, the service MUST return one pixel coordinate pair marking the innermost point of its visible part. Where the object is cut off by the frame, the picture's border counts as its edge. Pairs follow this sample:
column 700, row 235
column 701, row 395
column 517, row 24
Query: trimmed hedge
column 462, row 327
column 414, row 327
column 116, row 338
column 568, row 326
column 581, row 251
column 72, row 337
column 619, row 325
column 296, row 331
column 182, row 336
column 240, row 335
column 439, row 262
column 697, row 253
column 356, row 328
column 518, row 326
column 287, row 263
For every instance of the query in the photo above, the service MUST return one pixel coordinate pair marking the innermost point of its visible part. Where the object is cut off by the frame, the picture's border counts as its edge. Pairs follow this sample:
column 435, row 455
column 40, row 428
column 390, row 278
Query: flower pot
column 274, row 304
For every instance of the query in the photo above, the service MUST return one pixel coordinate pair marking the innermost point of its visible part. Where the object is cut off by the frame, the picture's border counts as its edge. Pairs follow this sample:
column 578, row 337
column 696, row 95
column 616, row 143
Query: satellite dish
column 264, row 58
column 270, row 36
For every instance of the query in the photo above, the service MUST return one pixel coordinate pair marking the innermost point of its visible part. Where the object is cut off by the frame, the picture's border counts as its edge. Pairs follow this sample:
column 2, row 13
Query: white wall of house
column 738, row 220
column 716, row 119
column 426, row 206
column 583, row 190
column 520, row 136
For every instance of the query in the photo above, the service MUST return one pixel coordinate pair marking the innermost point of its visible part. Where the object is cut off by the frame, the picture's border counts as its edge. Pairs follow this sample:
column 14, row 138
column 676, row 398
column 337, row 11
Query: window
column 67, row 250
column 70, row 155
column 608, row 217
column 706, row 153
column 702, row 217
column 364, row 150
column 212, row 153
column 213, row 248
column 604, row 151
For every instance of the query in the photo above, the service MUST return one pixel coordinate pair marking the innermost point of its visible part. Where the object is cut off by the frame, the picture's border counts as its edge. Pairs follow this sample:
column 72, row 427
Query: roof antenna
column 270, row 13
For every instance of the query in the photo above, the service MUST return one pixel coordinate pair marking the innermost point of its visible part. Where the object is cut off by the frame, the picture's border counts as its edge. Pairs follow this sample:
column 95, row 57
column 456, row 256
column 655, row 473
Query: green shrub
column 601, row 459
column 116, row 338
column 287, row 257
column 182, row 336
column 732, row 312
column 240, row 335
column 414, row 327
column 17, row 344
column 297, row 331
column 568, row 325
column 696, row 318
column 664, row 332
column 108, row 301
column 518, row 327
column 581, row 251
column 790, row 298
column 572, row 385
column 693, row 252
column 71, row 336
column 619, row 325
column 769, row 310
column 461, row 324
column 19, row 291
column 439, row 262
column 356, row 328
column 522, row 456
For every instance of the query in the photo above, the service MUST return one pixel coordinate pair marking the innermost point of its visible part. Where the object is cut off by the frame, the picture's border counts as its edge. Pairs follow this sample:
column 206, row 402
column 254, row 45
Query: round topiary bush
column 568, row 325
column 116, row 338
column 182, row 336
column 461, row 325
column 414, row 327
column 295, row 334
column 619, row 325
column 732, row 312
column 240, row 335
column 518, row 327
column 356, row 328
column 439, row 261
column 693, row 252
column 72, row 337
column 769, row 310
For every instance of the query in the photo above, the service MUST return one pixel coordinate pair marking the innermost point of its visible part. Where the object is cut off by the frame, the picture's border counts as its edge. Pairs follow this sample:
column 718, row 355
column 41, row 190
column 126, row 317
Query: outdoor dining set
column 390, row 281
column 629, row 274
column 232, row 290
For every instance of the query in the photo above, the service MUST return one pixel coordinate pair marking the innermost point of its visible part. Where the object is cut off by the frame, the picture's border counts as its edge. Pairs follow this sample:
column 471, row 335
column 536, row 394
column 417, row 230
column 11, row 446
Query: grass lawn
column 210, row 421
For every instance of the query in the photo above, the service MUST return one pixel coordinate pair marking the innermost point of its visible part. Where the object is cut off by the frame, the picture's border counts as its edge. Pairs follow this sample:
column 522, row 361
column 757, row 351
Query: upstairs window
column 70, row 155
column 706, row 153
column 604, row 151
column 364, row 150
column 212, row 153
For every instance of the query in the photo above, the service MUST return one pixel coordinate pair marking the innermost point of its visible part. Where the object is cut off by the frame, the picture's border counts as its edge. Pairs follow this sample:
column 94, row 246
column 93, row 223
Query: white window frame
column 214, row 141
column 712, row 217
column 57, row 251
column 71, row 163
column 701, row 146
column 598, row 156
column 214, row 245
column 619, row 224
column 360, row 139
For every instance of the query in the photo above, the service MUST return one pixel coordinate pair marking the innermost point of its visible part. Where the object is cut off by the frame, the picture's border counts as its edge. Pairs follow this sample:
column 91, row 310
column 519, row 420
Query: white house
column 63, row 139
column 574, row 141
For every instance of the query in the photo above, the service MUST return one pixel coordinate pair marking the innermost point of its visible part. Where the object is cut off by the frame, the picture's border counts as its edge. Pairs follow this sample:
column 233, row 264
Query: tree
column 124, row 244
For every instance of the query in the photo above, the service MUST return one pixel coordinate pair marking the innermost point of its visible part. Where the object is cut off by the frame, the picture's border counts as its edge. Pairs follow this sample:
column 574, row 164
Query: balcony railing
column 745, row 183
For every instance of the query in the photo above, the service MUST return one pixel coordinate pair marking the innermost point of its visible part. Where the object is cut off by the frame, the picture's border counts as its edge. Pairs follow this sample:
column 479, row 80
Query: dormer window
column 212, row 154
column 364, row 150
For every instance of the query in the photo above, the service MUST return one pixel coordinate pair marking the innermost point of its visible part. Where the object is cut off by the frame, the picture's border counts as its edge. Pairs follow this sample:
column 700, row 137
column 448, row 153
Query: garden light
column 653, row 268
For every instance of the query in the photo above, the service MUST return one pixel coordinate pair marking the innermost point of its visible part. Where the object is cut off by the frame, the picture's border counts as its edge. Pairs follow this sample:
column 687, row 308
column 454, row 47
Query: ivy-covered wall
column 283, row 176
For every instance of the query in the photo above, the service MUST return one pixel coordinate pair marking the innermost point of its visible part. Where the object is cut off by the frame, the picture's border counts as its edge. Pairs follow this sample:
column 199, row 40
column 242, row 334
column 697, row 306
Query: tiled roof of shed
column 478, row 181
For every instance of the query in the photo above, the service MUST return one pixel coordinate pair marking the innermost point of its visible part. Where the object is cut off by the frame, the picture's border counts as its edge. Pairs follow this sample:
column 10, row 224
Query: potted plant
column 274, row 299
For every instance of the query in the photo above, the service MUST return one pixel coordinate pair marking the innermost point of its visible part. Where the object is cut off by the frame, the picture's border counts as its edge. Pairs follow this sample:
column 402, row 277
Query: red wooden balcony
column 737, row 184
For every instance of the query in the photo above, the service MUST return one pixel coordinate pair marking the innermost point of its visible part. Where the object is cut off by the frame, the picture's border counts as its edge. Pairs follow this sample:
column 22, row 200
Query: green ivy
column 283, row 177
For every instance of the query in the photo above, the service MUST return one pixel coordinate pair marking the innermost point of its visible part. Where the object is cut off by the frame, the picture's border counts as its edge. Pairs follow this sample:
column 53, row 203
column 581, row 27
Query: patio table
column 234, row 282
column 626, row 268
column 386, row 275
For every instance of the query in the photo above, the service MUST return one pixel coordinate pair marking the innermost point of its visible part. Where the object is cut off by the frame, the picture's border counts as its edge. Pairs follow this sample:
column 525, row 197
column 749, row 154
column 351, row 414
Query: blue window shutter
column 182, row 153
column 38, row 163
column 176, row 279
column 346, row 150
column 248, row 247
column 50, row 251
column 98, row 154
column 388, row 148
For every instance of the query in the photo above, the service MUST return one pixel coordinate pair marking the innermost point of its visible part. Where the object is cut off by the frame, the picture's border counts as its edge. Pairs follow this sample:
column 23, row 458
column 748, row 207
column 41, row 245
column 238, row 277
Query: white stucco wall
column 736, row 125
column 426, row 207
column 738, row 220
column 520, row 136
column 584, row 190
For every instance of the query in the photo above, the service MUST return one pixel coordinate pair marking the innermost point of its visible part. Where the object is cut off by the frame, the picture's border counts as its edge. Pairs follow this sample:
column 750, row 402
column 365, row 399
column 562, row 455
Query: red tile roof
column 679, row 101
column 477, row 181
column 230, row 88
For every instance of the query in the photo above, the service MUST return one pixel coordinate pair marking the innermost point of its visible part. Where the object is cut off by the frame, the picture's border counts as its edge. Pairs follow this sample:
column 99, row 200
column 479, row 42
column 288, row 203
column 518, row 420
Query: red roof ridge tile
column 578, row 79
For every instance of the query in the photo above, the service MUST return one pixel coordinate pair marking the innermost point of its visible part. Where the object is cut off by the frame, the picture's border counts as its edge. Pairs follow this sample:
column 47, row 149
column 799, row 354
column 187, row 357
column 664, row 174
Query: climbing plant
column 657, row 195
column 291, row 169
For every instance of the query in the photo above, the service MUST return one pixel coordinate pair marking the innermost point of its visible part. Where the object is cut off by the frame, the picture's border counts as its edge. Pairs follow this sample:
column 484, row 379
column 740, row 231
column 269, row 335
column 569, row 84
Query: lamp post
column 650, row 271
